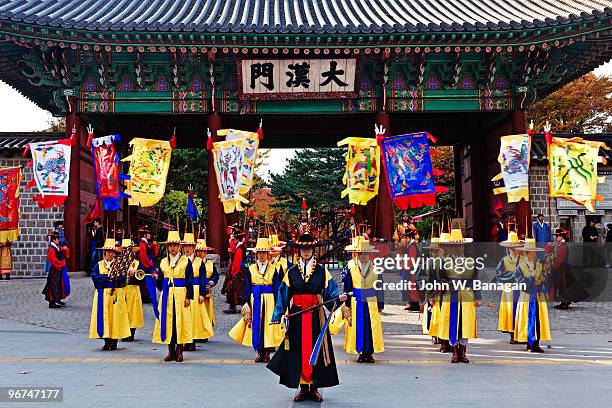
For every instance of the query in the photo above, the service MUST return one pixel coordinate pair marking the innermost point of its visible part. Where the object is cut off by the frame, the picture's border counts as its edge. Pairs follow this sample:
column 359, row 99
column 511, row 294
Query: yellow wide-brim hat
column 201, row 245
column 262, row 245
column 530, row 245
column 455, row 238
column 126, row 243
column 276, row 243
column 512, row 241
column 360, row 244
column 173, row 238
column 188, row 239
column 109, row 245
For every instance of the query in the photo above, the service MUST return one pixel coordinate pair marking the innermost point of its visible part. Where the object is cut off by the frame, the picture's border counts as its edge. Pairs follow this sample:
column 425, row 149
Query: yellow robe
column 505, row 321
column 116, row 323
column 134, row 301
column 208, row 299
column 522, row 307
column 359, row 282
column 176, row 298
column 466, row 309
column 201, row 324
column 431, row 313
column 273, row 334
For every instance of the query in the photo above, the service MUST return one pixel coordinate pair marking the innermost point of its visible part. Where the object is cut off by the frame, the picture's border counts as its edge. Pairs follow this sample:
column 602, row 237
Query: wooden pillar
column 458, row 181
column 384, row 206
column 480, row 191
column 216, row 229
column 523, row 208
column 72, row 205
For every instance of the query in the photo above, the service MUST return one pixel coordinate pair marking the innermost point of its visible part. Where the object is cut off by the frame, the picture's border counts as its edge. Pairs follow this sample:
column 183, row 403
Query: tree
column 262, row 157
column 56, row 125
column 262, row 202
column 189, row 167
column 314, row 174
column 174, row 206
column 584, row 105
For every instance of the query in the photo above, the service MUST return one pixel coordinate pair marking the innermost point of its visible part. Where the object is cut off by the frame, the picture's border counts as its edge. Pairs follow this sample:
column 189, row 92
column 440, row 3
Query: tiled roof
column 16, row 141
column 539, row 151
column 303, row 16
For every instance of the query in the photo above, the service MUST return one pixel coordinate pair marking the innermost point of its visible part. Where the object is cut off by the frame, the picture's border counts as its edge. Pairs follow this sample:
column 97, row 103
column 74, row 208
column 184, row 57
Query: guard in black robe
column 305, row 284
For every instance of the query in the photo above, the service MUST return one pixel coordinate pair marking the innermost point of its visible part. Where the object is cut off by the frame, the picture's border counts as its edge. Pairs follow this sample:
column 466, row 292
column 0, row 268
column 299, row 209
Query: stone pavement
column 49, row 347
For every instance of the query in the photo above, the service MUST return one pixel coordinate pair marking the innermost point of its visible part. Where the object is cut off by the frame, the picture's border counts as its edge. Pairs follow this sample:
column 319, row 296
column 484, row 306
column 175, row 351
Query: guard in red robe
column 55, row 290
column 233, row 287
column 147, row 251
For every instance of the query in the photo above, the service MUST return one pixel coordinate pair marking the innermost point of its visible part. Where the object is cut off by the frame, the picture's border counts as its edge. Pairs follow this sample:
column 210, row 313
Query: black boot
column 231, row 309
column 179, row 353
column 455, row 358
column 171, row 356
column 315, row 395
column 302, row 394
column 106, row 346
column 462, row 357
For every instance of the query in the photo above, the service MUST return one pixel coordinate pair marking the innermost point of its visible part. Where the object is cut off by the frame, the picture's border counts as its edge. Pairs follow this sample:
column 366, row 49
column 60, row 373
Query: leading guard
column 306, row 284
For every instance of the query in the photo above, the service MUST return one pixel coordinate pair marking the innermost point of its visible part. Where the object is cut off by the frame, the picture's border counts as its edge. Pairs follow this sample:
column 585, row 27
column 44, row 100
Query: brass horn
column 140, row 274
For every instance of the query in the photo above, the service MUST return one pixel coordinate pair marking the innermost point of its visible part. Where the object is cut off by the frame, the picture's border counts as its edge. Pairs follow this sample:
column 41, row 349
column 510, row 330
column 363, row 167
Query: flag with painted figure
column 51, row 170
column 513, row 158
column 106, row 171
column 234, row 161
column 149, row 164
column 572, row 170
column 10, row 179
column 361, row 176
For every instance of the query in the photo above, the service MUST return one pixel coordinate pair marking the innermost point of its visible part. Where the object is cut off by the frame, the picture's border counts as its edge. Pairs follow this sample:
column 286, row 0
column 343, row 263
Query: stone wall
column 30, row 251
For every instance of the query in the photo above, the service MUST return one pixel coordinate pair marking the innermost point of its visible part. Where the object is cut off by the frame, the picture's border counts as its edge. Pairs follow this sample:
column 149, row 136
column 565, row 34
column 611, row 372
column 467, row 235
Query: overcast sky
column 19, row 114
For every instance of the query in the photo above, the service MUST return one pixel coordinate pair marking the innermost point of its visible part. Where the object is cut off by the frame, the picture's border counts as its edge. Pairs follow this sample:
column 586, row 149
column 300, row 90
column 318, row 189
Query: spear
column 308, row 309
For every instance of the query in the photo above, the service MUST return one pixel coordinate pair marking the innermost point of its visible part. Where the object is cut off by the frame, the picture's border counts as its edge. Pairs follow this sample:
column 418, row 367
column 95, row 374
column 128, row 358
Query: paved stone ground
column 49, row 347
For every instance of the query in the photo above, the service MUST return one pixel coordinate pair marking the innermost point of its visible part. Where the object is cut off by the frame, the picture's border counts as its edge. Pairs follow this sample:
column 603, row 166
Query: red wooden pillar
column 384, row 206
column 523, row 208
column 216, row 216
column 72, row 205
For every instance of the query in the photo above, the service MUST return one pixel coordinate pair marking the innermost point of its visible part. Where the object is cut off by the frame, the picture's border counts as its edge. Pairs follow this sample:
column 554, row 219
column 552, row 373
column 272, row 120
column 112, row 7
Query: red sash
column 305, row 301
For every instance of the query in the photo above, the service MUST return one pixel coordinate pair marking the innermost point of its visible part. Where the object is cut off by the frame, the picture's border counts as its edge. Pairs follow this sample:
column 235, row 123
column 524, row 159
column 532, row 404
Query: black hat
column 560, row 231
column 306, row 241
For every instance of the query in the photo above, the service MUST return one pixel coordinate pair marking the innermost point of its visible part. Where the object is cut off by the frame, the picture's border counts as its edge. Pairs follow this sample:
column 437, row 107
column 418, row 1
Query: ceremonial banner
column 409, row 171
column 572, row 170
column 362, row 164
column 10, row 178
column 106, row 171
column 234, row 160
column 514, row 154
column 51, row 169
column 149, row 163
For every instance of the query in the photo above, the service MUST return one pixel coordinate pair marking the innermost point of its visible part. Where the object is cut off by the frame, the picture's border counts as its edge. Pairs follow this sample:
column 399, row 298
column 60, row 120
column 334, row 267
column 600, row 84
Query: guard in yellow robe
column 531, row 321
column 430, row 273
column 276, row 255
column 504, row 273
column 364, row 332
column 173, row 327
column 109, row 316
column 458, row 313
column 133, row 298
column 201, row 324
column 209, row 282
column 254, row 329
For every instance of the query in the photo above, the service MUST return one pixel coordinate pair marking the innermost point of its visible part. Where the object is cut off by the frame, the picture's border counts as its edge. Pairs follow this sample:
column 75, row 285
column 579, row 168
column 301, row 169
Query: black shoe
column 230, row 311
column 302, row 394
column 53, row 306
column 562, row 306
column 59, row 302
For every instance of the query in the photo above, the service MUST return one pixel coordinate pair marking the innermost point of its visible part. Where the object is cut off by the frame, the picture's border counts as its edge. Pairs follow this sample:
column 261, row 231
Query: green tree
column 314, row 174
column 189, row 167
column 174, row 206
column 584, row 105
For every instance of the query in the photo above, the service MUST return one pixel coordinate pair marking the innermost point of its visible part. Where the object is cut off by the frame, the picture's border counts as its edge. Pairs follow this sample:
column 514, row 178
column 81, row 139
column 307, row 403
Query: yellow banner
column 362, row 169
column 572, row 170
column 513, row 158
column 149, row 164
column 234, row 160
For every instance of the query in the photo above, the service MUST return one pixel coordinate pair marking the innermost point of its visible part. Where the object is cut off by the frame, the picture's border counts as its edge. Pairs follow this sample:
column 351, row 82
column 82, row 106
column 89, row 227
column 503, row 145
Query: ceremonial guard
column 109, row 314
column 147, row 251
column 364, row 332
column 133, row 298
column 306, row 357
column 252, row 232
column 201, row 323
column 406, row 244
column 458, row 312
column 210, row 281
column 531, row 320
column 175, row 280
column 276, row 254
column 433, row 304
column 261, row 285
column 55, row 288
column 563, row 286
column 233, row 286
column 504, row 273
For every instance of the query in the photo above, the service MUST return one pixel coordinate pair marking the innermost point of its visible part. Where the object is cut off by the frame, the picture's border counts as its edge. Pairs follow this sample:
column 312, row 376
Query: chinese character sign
column 106, row 170
column 410, row 174
column 572, row 170
column 362, row 164
column 234, row 160
column 297, row 76
column 51, row 170
column 149, row 164
column 514, row 162
column 10, row 178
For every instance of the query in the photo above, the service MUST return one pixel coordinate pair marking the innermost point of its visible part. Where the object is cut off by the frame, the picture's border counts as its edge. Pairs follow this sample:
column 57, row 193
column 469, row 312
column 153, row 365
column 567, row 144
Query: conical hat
column 276, row 244
column 262, row 245
column 201, row 246
column 456, row 238
column 188, row 239
column 530, row 246
column 512, row 241
column 126, row 243
column 360, row 244
column 109, row 245
column 173, row 238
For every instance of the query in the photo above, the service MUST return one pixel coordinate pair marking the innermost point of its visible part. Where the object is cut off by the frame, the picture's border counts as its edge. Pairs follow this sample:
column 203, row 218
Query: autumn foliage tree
column 582, row 106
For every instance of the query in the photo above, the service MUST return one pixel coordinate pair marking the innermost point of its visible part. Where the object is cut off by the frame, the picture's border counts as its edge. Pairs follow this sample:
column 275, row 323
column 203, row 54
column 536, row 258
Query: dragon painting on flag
column 362, row 165
column 106, row 169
